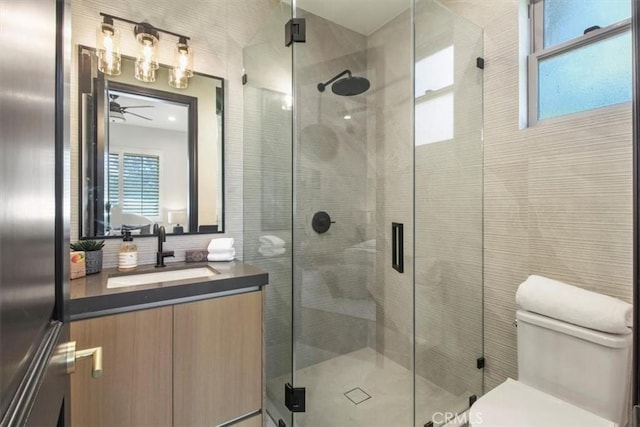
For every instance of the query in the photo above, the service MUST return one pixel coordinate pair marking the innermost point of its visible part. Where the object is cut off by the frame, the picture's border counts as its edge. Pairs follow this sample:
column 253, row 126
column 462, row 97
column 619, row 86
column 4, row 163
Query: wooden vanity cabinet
column 135, row 388
column 191, row 364
column 217, row 359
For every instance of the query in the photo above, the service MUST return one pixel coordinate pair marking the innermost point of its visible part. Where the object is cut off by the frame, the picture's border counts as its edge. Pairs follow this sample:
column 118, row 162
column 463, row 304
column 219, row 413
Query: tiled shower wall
column 557, row 195
column 448, row 213
column 447, row 209
column 390, row 140
column 330, row 160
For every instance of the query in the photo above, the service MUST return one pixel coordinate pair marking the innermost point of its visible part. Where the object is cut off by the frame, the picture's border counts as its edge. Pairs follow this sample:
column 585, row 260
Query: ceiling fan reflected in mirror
column 117, row 112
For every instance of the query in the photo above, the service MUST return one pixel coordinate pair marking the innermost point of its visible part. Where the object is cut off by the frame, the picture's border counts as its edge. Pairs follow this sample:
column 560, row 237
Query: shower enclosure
column 363, row 200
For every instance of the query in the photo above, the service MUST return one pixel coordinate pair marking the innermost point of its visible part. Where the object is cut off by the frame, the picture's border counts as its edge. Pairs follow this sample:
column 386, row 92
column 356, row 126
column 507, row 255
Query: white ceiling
column 362, row 16
column 157, row 110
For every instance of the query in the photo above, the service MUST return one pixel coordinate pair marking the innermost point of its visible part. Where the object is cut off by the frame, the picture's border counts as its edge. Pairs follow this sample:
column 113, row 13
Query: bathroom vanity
column 184, row 352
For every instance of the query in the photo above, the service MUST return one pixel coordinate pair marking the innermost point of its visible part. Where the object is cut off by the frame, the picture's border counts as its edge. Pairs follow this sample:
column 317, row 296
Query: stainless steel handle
column 95, row 353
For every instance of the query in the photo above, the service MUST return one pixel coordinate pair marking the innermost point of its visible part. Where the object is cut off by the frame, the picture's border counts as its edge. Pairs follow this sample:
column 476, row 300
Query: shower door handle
column 397, row 246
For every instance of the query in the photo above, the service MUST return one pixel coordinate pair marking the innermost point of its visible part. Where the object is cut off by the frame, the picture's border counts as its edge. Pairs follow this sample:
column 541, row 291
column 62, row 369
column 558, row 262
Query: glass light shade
column 144, row 72
column 182, row 65
column 178, row 79
column 177, row 217
column 183, row 58
column 116, row 117
column 147, row 60
column 108, row 49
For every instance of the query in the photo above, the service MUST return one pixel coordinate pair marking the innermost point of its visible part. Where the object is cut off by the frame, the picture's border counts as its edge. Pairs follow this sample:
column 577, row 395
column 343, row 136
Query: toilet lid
column 514, row 404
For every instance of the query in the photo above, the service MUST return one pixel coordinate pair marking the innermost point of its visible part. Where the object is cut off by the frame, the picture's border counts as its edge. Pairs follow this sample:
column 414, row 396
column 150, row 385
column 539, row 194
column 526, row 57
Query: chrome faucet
column 162, row 237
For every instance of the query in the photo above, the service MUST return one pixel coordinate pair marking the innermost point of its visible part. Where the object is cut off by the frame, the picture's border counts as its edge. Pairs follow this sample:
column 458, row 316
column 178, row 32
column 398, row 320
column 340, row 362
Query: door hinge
column 472, row 400
column 294, row 398
column 480, row 62
column 295, row 31
column 281, row 423
column 480, row 362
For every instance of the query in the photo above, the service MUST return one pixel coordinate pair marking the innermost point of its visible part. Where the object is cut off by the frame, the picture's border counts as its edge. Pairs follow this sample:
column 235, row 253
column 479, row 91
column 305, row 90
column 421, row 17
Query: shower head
column 347, row 86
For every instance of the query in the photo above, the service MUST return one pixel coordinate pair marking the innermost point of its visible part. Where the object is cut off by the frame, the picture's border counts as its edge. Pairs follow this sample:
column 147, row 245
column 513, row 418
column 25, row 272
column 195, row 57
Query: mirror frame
column 87, row 73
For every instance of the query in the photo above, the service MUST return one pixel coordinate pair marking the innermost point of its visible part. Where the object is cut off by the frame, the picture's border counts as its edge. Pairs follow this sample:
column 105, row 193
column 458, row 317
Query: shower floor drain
column 357, row 395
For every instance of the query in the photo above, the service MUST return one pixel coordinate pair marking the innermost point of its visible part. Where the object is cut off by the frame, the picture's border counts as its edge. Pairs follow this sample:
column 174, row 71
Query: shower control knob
column 321, row 222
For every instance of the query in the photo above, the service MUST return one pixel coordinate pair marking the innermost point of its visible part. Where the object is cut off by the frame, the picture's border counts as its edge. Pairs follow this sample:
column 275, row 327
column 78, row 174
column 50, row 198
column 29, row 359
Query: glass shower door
column 267, row 185
column 360, row 142
column 353, row 166
column 448, row 213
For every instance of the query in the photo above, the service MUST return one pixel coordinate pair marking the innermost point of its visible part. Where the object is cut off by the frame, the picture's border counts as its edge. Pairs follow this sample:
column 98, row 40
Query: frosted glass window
column 588, row 77
column 434, row 72
column 434, row 119
column 567, row 19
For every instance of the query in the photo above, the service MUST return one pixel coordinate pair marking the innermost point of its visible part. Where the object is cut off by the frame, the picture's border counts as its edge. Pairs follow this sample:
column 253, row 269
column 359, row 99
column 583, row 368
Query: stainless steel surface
column 31, row 386
column 27, row 120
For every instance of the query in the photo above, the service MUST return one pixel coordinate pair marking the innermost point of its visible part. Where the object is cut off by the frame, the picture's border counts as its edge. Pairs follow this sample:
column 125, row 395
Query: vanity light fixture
column 147, row 63
column 108, row 47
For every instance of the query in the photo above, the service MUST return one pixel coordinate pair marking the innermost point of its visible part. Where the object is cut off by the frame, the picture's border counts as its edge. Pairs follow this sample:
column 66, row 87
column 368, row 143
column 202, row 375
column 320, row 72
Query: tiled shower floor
column 378, row 393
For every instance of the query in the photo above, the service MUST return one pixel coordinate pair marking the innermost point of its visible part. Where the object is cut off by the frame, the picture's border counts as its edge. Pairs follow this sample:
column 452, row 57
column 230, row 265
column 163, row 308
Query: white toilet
column 568, row 376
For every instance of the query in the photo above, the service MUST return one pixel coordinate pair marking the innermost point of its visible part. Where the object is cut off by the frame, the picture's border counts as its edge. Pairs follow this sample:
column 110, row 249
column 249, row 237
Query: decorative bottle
column 128, row 254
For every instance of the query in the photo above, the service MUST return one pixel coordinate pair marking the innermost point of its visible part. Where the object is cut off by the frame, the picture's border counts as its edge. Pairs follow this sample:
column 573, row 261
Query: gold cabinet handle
column 73, row 356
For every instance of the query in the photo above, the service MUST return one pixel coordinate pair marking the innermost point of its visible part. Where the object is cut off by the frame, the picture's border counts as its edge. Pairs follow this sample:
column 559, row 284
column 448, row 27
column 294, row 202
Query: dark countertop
column 90, row 296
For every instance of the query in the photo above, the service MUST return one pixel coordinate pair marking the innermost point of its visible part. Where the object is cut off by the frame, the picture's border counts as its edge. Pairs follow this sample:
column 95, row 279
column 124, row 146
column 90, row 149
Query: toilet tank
column 588, row 368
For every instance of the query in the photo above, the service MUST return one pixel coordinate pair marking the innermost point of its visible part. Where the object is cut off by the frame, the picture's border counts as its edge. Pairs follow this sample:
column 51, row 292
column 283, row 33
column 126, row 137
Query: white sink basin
column 160, row 276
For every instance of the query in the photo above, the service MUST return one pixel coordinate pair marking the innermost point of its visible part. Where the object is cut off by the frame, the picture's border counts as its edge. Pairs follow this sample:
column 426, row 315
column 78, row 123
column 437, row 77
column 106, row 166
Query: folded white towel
column 222, row 256
column 220, row 244
column 221, row 251
column 574, row 305
column 269, row 251
column 270, row 240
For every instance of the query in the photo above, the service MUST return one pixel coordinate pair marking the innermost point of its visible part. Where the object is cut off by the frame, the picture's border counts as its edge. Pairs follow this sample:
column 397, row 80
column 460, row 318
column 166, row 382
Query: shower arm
column 322, row 86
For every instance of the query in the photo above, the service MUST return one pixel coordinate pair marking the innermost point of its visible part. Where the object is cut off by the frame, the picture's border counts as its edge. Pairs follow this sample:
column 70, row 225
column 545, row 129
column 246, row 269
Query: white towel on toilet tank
column 575, row 305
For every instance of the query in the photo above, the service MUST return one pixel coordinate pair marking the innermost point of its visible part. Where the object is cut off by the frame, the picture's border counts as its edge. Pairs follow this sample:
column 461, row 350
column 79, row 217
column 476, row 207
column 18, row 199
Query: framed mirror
column 149, row 153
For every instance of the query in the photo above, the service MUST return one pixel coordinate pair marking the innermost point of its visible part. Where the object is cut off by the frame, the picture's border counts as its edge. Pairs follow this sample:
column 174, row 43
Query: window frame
column 538, row 52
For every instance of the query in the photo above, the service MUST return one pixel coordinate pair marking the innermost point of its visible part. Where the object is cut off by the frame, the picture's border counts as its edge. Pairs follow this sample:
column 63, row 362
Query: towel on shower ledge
column 575, row 305
column 270, row 252
column 271, row 241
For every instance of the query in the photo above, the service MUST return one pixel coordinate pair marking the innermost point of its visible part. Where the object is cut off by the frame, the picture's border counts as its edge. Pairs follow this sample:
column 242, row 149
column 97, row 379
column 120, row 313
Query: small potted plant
column 92, row 253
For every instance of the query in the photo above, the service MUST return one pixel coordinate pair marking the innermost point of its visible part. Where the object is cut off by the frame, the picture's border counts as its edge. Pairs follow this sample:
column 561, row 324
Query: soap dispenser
column 128, row 254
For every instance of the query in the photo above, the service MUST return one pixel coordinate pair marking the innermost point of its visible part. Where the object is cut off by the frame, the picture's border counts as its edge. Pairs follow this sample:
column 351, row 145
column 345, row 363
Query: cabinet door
column 136, row 384
column 217, row 359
